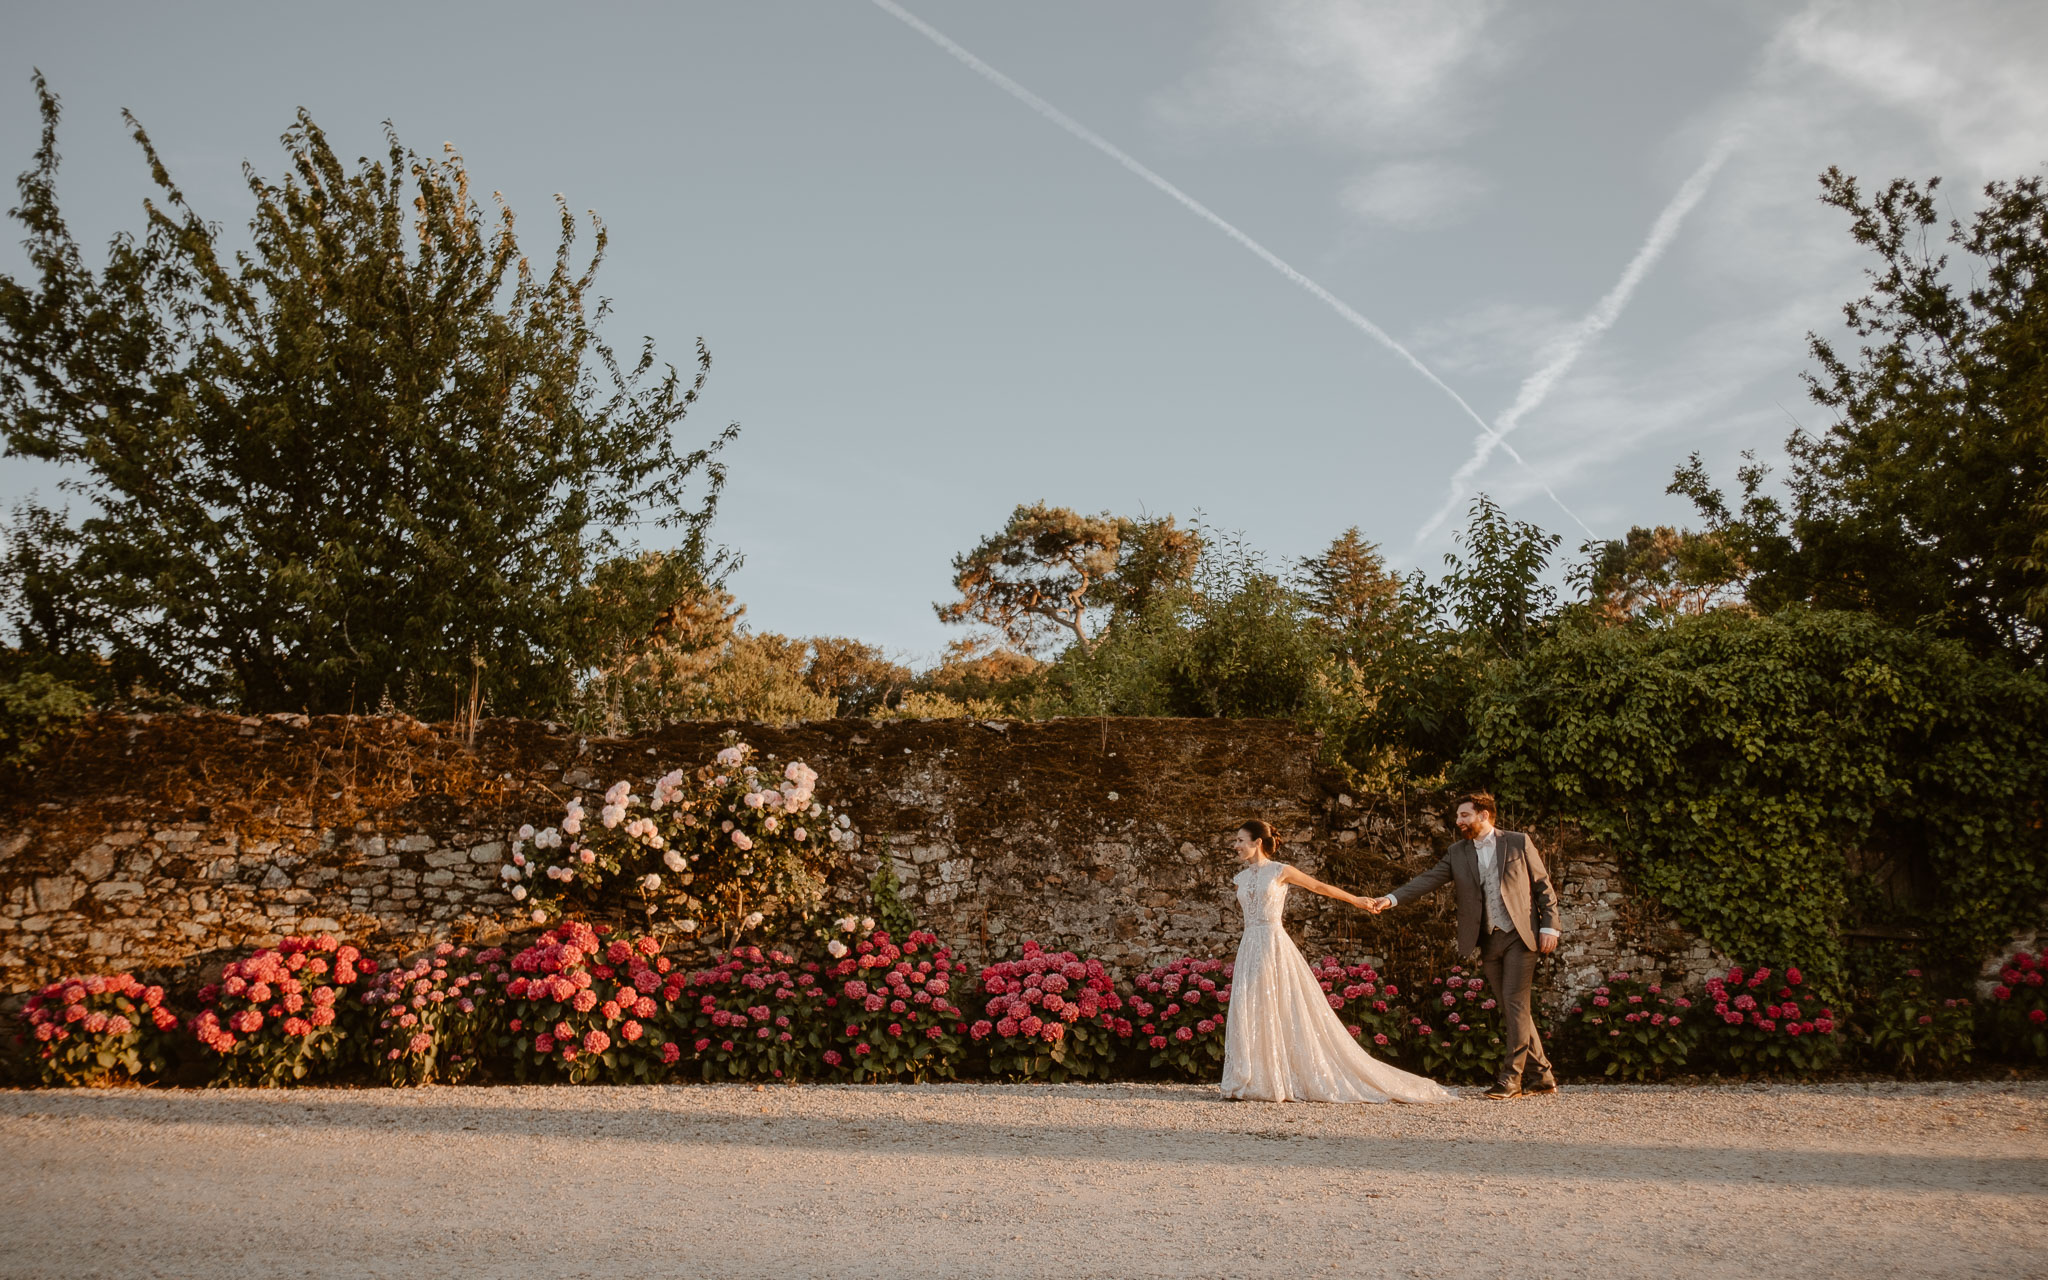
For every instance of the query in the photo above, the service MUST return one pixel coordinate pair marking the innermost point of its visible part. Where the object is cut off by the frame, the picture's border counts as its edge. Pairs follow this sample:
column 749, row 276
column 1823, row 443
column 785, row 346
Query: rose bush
column 738, row 848
column 1764, row 1021
column 283, row 1014
column 1631, row 1028
column 97, row 1030
column 1050, row 1016
column 581, row 1009
column 1912, row 1029
column 2018, row 1008
column 888, row 1012
column 1457, row 1028
column 1178, row 1011
column 438, row 1018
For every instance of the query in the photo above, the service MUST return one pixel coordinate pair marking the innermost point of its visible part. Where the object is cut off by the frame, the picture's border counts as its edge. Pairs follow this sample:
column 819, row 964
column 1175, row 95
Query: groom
column 1501, row 882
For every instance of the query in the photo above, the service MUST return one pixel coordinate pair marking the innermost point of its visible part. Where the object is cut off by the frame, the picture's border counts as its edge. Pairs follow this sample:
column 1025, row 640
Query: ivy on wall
column 1775, row 779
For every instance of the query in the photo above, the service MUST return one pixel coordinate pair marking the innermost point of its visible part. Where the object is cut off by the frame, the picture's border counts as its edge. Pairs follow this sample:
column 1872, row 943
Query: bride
column 1281, row 1040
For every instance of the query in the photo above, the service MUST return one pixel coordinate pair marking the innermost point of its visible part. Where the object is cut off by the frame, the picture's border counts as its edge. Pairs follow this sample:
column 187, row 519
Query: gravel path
column 993, row 1180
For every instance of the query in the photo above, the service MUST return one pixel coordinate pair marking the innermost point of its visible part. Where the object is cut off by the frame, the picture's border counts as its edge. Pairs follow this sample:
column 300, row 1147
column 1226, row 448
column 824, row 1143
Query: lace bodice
column 1261, row 895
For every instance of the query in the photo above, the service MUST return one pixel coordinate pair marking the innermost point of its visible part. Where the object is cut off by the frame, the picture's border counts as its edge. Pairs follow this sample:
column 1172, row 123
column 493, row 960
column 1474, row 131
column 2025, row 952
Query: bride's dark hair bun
column 1263, row 832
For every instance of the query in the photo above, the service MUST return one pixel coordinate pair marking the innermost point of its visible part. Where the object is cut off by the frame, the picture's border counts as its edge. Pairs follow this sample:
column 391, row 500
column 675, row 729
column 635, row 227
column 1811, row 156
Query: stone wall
column 168, row 843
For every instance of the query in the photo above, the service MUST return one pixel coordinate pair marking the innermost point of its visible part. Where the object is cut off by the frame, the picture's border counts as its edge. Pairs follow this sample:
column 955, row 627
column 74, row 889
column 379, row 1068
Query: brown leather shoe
column 1505, row 1090
column 1548, row 1084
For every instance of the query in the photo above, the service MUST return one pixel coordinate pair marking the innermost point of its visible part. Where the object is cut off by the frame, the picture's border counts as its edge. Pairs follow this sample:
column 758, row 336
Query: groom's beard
column 1469, row 830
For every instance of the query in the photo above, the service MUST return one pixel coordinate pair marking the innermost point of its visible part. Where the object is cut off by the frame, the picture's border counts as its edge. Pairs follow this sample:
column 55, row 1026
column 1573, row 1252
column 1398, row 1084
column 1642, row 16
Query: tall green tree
column 1494, row 584
column 377, row 448
column 1926, row 501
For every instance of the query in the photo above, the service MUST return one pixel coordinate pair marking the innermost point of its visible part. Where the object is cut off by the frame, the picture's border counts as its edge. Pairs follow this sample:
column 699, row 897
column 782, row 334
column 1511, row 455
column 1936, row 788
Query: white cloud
column 1370, row 75
column 1971, row 72
column 1409, row 193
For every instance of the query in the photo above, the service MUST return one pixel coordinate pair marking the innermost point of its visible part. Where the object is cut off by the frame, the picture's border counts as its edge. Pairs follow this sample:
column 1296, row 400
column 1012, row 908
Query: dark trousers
column 1510, row 969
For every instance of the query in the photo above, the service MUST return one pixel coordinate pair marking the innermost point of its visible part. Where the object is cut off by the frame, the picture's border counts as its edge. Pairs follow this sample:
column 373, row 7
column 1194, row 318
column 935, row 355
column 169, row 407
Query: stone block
column 490, row 852
column 96, row 863
column 446, row 858
column 117, row 890
column 417, row 842
column 442, row 876
column 55, row 893
column 276, row 878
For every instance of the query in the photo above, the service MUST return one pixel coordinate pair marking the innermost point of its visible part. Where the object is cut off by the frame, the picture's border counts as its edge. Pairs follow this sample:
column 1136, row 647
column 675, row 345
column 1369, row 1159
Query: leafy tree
column 1050, row 569
column 377, row 449
column 1349, row 587
column 1659, row 574
column 981, row 669
column 1496, row 589
column 1926, row 502
column 859, row 677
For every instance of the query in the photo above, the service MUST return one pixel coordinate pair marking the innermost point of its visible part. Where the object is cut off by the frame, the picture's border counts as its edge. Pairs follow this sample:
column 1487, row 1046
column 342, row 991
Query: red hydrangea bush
column 97, row 1030
column 438, row 1018
column 581, row 1009
column 1179, row 1011
column 1631, row 1028
column 1912, row 1028
column 1457, row 1029
column 1050, row 1016
column 888, row 1013
column 282, row 1014
column 2018, row 1009
column 752, row 1016
column 1765, row 1020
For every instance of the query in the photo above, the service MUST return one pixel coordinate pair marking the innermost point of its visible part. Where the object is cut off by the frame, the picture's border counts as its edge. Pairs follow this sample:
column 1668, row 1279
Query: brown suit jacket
column 1524, row 887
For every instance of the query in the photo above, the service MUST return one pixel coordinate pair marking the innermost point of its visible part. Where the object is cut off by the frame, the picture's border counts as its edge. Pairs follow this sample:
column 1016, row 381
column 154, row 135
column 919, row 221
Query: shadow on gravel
column 665, row 1124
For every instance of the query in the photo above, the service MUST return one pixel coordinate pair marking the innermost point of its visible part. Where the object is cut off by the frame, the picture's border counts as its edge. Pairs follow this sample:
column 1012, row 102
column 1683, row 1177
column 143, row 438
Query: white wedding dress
column 1281, row 1041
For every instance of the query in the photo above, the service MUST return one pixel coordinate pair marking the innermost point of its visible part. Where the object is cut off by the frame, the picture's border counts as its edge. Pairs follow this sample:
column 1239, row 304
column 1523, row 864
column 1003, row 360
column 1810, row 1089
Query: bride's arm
column 1302, row 880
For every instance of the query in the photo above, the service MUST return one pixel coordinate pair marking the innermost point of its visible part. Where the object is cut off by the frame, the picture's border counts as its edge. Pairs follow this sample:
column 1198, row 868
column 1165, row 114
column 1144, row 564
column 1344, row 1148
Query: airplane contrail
column 1537, row 386
column 1202, row 211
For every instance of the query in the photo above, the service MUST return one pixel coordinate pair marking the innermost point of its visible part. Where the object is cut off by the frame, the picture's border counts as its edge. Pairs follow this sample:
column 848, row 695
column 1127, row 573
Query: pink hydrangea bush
column 1368, row 1005
column 97, row 1030
column 437, row 1019
column 2018, row 1008
column 1457, row 1028
column 1178, row 1012
column 1631, row 1028
column 583, row 1009
column 1050, row 1016
column 751, row 1016
column 1764, row 1020
column 739, row 847
column 888, row 1012
column 283, row 1014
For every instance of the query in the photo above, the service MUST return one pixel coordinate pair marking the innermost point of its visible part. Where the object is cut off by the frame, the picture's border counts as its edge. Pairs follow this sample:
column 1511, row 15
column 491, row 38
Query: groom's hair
column 1482, row 801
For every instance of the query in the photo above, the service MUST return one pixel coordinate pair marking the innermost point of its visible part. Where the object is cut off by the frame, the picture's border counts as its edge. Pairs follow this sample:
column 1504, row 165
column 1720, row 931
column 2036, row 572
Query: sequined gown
column 1282, row 1042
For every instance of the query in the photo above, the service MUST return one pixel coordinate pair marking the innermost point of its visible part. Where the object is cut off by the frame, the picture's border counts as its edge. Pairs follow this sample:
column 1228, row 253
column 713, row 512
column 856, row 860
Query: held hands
column 1372, row 906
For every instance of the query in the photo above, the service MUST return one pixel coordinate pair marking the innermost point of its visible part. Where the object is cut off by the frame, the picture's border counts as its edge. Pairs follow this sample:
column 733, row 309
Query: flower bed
column 438, row 1018
column 752, row 1016
column 1050, row 1016
column 277, row 1017
column 1764, row 1021
column 584, row 1010
column 1457, row 1029
column 1912, row 1029
column 98, row 1030
column 2018, row 1009
column 1180, row 1011
column 889, row 1015
column 1631, row 1028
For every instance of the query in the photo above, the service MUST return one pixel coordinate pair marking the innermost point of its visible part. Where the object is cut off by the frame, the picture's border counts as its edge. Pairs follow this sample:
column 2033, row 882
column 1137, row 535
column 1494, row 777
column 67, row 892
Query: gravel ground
column 993, row 1180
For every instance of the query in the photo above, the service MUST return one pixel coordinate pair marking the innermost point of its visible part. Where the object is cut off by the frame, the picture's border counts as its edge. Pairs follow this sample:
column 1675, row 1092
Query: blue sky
column 927, row 303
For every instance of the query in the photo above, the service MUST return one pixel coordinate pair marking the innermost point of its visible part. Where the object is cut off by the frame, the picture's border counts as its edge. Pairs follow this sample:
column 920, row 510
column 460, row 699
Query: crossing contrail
column 1202, row 211
column 1538, row 386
